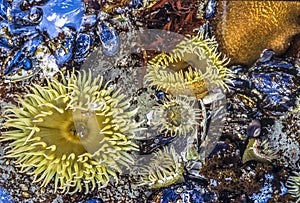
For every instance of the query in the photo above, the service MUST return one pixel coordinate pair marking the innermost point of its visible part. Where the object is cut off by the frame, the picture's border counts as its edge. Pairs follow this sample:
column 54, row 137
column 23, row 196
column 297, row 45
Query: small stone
column 25, row 194
column 179, row 190
column 23, row 187
column 43, row 190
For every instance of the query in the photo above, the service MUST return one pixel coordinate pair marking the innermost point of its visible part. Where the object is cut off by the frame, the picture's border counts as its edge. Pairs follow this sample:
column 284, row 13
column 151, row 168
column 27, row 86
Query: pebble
column 23, row 187
column 43, row 190
column 25, row 194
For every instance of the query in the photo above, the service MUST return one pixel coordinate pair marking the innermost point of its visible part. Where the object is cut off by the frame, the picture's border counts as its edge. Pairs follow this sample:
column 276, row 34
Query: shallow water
column 214, row 119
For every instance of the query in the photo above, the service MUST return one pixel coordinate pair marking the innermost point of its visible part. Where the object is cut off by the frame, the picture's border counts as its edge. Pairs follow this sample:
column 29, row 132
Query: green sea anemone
column 78, row 132
column 293, row 185
column 259, row 151
column 176, row 116
column 165, row 168
column 193, row 64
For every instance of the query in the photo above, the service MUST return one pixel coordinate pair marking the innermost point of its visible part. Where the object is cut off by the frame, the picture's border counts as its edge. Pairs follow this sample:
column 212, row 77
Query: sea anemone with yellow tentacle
column 177, row 116
column 166, row 168
column 77, row 131
column 293, row 185
column 193, row 65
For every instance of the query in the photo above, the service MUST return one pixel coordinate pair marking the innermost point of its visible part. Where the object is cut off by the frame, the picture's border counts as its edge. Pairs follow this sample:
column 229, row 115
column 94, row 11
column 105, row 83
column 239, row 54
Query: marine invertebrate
column 109, row 38
column 259, row 151
column 193, row 64
column 165, row 168
column 29, row 44
column 177, row 116
column 78, row 131
column 280, row 140
column 293, row 185
column 269, row 87
column 245, row 28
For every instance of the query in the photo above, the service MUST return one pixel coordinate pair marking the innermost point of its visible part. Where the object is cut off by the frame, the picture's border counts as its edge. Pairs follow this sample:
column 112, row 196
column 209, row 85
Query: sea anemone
column 193, row 64
column 77, row 131
column 259, row 151
column 165, row 168
column 177, row 116
column 293, row 185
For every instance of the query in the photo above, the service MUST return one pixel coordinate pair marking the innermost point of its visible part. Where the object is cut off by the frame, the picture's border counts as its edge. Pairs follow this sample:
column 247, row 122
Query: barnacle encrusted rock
column 76, row 131
column 284, row 140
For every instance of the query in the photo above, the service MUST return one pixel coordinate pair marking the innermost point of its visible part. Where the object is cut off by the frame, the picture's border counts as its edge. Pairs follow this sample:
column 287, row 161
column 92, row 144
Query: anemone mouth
column 173, row 115
column 178, row 116
column 76, row 132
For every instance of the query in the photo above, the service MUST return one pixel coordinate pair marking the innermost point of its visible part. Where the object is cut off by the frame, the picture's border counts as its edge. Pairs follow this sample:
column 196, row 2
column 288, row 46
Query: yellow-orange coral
column 245, row 28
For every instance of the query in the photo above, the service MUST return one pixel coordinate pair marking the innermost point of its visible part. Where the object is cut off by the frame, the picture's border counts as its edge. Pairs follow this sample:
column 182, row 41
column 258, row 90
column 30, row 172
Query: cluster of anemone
column 165, row 168
column 76, row 131
column 177, row 116
column 293, row 185
column 194, row 64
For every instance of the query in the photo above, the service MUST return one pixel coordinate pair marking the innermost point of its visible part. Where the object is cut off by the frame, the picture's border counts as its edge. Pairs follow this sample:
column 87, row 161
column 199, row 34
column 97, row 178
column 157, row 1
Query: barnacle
column 293, row 185
column 77, row 131
column 284, row 140
column 177, row 116
column 193, row 64
column 165, row 168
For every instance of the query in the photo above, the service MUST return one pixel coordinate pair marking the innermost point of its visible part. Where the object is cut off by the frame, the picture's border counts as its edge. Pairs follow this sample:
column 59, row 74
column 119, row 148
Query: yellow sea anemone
column 177, row 116
column 77, row 132
column 165, row 168
column 293, row 185
column 193, row 64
